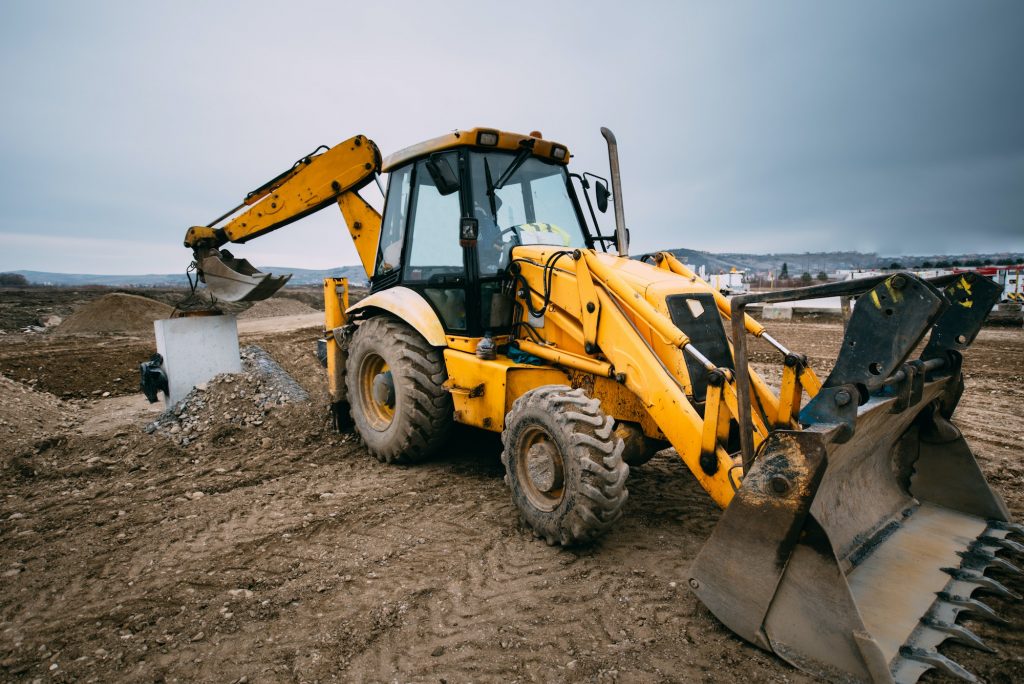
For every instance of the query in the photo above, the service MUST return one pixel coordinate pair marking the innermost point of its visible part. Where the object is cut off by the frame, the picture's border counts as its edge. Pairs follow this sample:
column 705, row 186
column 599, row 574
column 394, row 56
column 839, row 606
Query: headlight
column 489, row 138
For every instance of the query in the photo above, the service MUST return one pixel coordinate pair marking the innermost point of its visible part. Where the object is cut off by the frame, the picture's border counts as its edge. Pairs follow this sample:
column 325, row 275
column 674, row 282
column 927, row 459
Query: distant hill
column 305, row 276
column 814, row 262
column 811, row 262
column 300, row 276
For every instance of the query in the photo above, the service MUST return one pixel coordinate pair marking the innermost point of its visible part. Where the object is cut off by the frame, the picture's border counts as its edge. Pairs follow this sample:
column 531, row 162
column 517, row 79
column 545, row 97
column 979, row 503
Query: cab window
column 434, row 256
column 389, row 251
column 533, row 206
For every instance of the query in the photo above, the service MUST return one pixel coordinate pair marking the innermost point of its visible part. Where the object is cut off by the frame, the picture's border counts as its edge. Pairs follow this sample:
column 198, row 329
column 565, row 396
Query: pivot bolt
column 779, row 485
column 842, row 398
column 898, row 282
column 694, row 584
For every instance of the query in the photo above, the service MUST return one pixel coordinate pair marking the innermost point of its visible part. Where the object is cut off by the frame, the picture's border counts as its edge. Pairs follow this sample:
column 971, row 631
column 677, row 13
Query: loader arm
column 599, row 322
column 844, row 502
column 324, row 177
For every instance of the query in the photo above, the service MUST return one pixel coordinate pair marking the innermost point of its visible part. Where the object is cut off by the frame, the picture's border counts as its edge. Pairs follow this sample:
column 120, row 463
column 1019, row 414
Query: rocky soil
column 268, row 548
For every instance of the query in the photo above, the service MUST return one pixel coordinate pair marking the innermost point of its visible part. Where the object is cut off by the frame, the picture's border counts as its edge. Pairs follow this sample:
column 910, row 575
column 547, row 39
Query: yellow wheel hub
column 378, row 392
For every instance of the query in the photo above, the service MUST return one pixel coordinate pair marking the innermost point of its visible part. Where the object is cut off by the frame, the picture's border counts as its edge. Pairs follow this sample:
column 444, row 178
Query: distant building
column 728, row 283
column 932, row 272
column 701, row 271
column 1007, row 276
column 733, row 282
column 854, row 273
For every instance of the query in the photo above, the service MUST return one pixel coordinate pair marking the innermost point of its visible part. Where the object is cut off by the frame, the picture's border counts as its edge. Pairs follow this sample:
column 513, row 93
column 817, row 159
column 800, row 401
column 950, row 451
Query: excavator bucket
column 236, row 280
column 854, row 543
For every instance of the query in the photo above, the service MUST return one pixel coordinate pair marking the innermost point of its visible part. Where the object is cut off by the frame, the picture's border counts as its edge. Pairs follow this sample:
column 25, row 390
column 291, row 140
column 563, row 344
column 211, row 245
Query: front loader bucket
column 853, row 544
column 236, row 280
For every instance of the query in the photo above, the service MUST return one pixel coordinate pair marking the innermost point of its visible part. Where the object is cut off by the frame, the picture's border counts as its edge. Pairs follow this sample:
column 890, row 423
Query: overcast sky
column 895, row 127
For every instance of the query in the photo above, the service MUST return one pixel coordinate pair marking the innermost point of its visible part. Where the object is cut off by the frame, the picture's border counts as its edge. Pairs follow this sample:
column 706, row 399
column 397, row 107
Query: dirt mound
column 285, row 551
column 282, row 306
column 115, row 313
column 27, row 416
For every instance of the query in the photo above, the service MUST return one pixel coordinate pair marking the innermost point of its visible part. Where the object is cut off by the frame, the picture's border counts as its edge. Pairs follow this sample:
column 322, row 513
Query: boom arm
column 312, row 183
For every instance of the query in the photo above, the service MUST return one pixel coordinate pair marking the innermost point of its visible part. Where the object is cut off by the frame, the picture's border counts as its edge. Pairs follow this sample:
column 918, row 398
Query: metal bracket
column 833, row 406
column 971, row 297
column 886, row 326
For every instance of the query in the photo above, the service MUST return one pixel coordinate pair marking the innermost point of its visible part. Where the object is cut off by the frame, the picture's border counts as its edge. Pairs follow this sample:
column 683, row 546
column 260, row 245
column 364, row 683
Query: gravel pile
column 239, row 400
column 27, row 416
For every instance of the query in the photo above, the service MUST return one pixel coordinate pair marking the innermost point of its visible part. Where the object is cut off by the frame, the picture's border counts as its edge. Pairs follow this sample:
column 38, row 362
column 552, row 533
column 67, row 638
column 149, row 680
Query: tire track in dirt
column 418, row 573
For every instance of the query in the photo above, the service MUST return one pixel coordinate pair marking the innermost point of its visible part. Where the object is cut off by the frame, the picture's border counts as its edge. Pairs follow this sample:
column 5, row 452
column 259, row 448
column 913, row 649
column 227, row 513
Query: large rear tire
column 563, row 463
column 395, row 388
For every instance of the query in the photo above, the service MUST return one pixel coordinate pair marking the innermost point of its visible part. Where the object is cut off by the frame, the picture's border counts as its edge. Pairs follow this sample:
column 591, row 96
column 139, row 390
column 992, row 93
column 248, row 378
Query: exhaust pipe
column 621, row 234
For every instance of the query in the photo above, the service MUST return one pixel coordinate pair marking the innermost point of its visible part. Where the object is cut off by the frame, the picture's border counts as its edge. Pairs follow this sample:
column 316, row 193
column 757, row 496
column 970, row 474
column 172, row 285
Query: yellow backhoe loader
column 857, row 523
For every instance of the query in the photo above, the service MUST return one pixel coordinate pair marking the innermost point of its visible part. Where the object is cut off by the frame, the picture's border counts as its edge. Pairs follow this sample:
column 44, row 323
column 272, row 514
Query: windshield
column 532, row 207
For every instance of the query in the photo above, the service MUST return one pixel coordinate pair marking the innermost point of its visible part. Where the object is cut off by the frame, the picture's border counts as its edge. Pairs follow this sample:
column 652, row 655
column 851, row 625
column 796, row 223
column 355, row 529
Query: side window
column 435, row 249
column 389, row 251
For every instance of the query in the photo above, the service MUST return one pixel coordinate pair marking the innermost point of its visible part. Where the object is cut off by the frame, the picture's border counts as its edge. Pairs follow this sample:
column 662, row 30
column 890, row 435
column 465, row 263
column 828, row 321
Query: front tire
column 395, row 387
column 563, row 463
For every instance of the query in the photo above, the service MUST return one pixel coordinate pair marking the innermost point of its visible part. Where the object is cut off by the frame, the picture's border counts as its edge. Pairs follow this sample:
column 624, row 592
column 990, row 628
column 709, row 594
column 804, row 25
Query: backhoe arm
column 326, row 176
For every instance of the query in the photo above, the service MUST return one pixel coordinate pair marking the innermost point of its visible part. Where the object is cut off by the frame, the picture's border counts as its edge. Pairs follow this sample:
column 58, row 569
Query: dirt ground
column 282, row 552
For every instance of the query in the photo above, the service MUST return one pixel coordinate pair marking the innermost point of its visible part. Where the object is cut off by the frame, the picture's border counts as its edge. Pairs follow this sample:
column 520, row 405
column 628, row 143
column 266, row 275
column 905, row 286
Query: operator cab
column 456, row 206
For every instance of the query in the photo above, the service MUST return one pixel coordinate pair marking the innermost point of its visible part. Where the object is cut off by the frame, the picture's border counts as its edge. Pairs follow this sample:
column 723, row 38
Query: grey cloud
column 742, row 126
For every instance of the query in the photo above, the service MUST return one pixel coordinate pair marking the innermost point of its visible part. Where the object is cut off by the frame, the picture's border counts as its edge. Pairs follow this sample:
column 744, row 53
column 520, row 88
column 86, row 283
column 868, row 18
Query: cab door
column 419, row 244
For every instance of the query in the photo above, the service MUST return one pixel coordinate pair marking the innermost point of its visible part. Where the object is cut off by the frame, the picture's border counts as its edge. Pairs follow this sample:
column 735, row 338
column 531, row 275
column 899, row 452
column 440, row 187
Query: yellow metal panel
column 364, row 226
column 668, row 261
column 523, row 378
column 197, row 234
column 477, row 388
column 589, row 309
column 463, row 138
column 810, row 382
column 335, row 303
column 619, row 402
column 409, row 306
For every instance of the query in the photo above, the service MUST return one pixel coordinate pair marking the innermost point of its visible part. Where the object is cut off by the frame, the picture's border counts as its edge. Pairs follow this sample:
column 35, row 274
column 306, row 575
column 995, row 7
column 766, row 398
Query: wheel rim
column 377, row 392
column 541, row 469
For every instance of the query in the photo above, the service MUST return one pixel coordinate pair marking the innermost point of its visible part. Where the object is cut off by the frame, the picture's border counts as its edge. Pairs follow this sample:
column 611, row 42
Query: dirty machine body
column 857, row 524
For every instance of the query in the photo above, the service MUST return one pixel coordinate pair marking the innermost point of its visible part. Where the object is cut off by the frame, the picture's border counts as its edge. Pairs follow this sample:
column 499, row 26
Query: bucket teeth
column 983, row 582
column 971, row 605
column 958, row 633
column 979, row 558
column 938, row 661
column 1014, row 528
column 1007, row 544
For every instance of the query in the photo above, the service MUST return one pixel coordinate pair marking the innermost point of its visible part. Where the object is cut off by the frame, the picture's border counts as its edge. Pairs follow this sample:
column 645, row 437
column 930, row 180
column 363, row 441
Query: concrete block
column 777, row 313
column 195, row 349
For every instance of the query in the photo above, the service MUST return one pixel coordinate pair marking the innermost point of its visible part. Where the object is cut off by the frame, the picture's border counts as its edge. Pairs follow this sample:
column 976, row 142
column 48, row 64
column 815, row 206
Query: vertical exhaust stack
column 621, row 235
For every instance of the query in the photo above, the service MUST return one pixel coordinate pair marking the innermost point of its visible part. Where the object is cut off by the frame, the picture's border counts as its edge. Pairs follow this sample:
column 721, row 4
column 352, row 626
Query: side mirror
column 602, row 195
column 445, row 179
